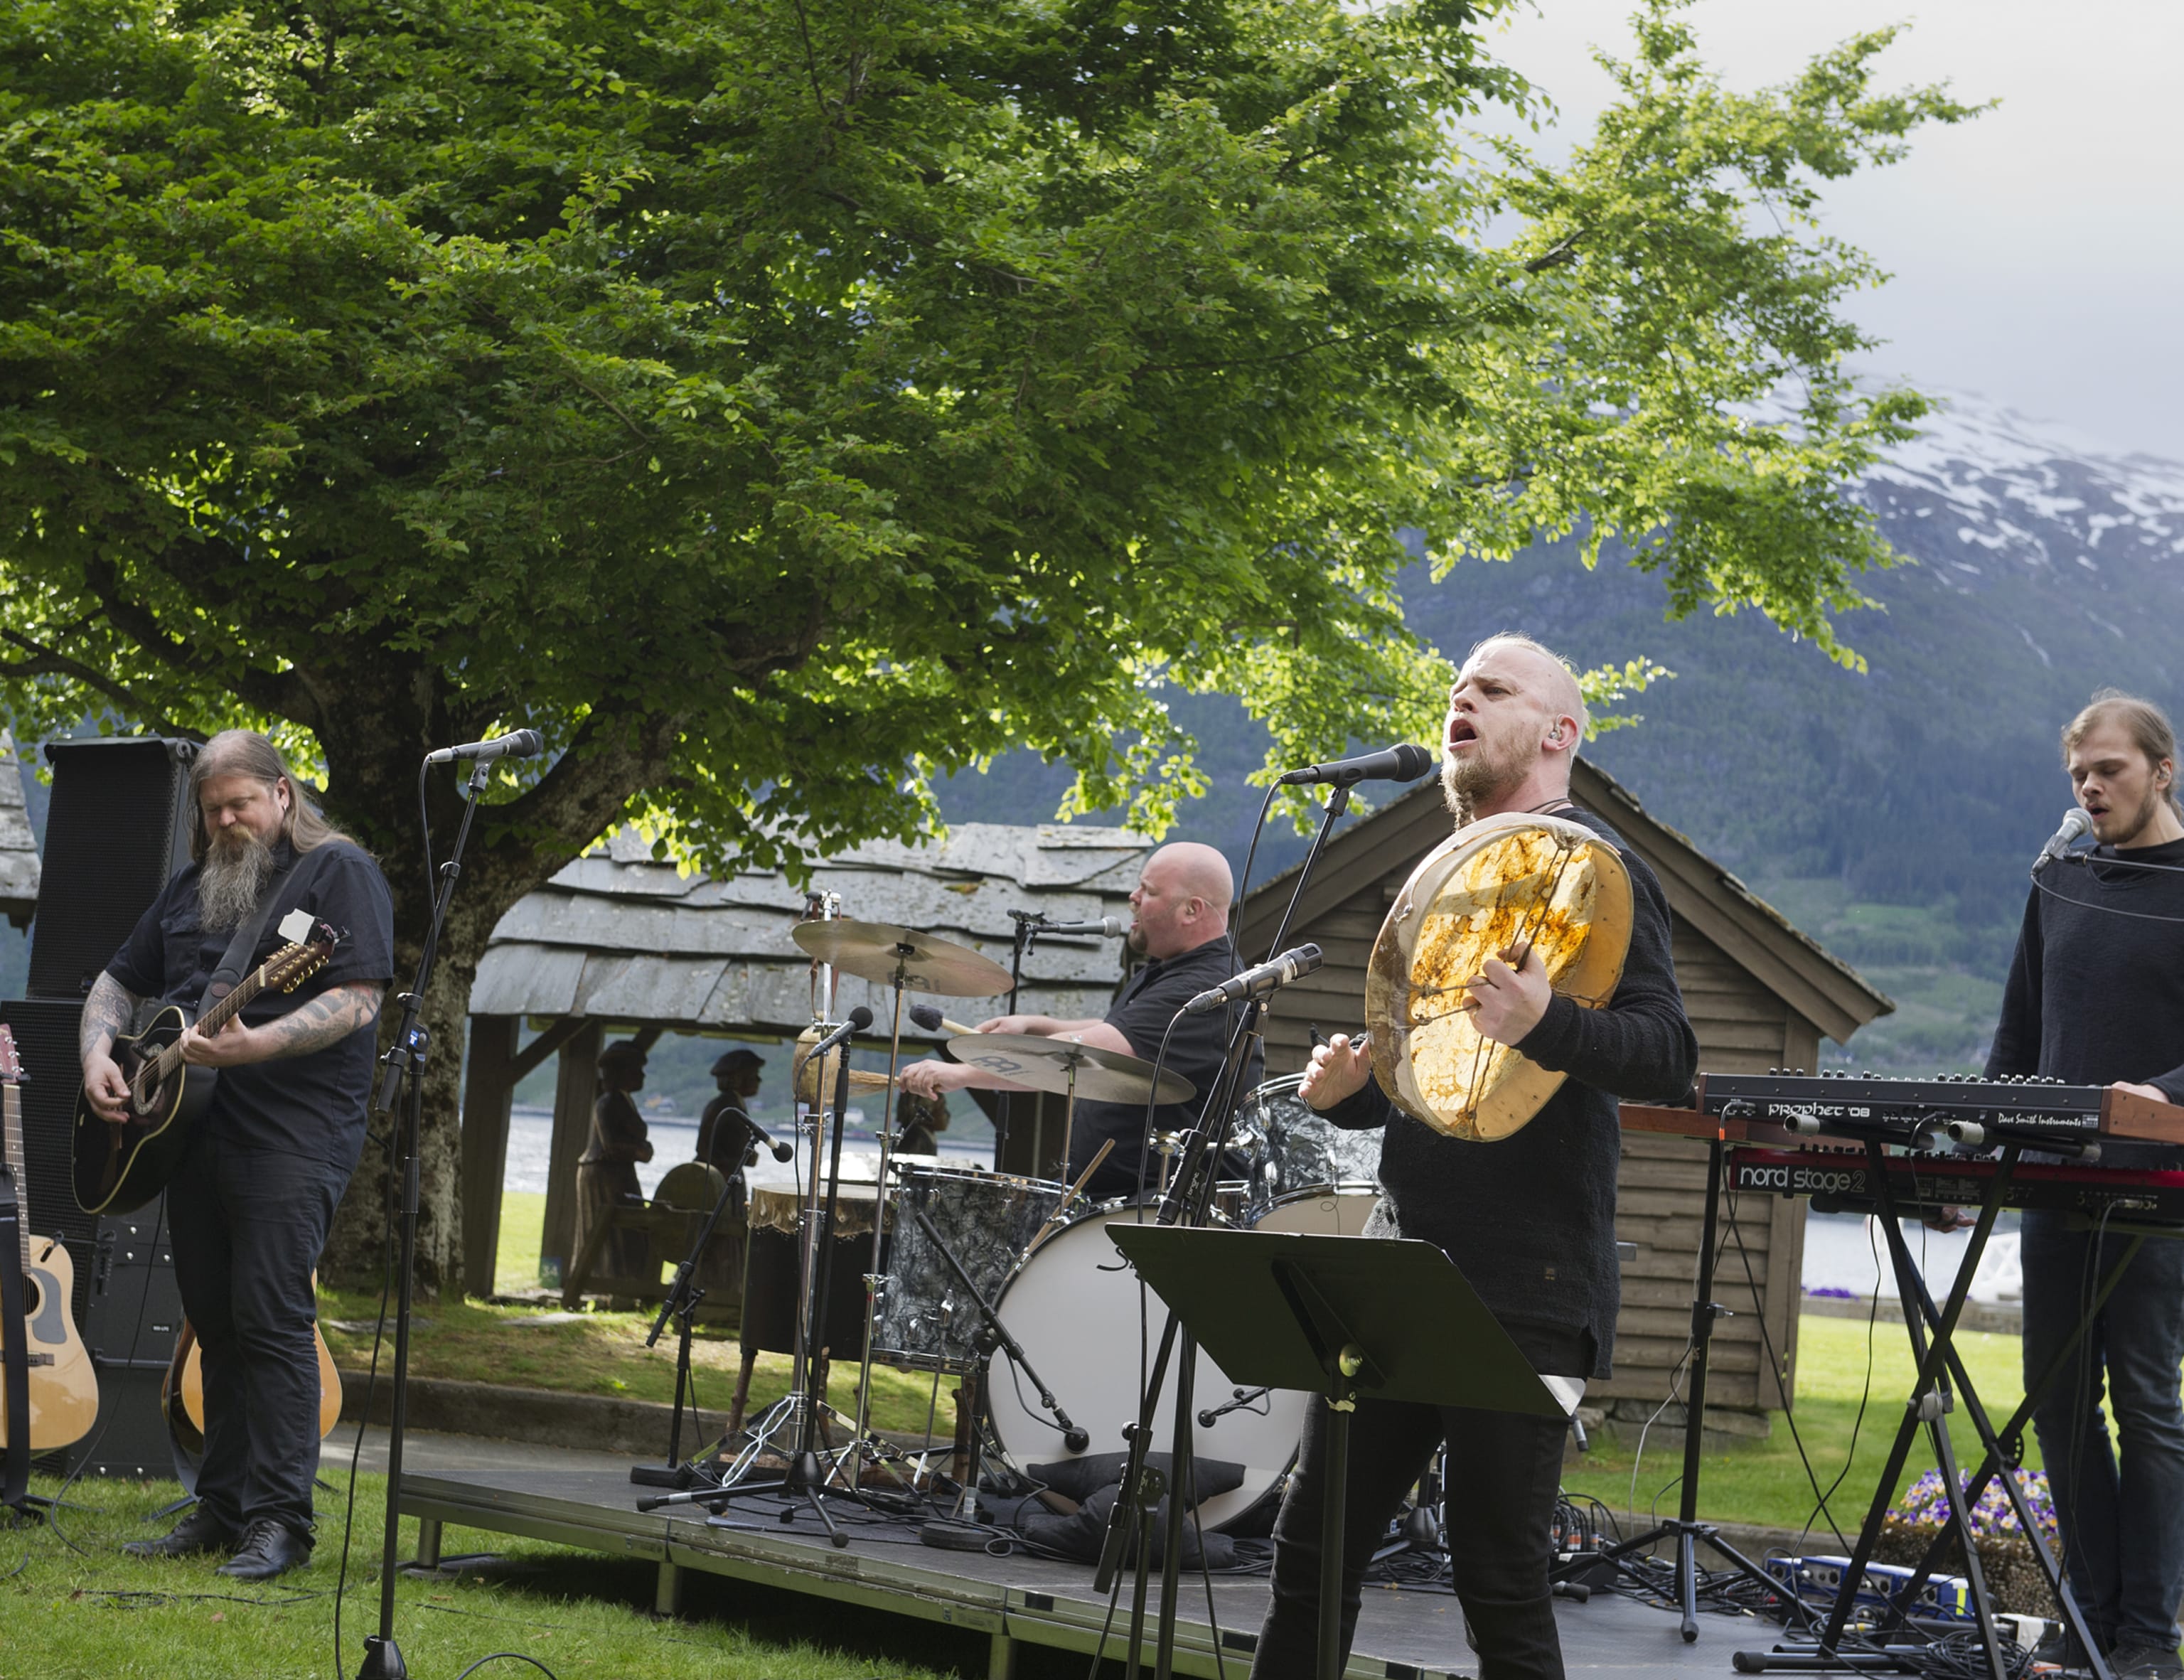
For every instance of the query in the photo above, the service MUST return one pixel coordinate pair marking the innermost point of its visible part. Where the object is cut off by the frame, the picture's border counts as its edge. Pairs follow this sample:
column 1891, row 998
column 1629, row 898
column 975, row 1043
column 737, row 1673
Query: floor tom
column 927, row 1319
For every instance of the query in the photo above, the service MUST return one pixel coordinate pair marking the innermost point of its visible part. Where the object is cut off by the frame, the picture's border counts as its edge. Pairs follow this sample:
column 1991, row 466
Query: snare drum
column 1293, row 1151
column 926, row 1321
column 1078, row 1311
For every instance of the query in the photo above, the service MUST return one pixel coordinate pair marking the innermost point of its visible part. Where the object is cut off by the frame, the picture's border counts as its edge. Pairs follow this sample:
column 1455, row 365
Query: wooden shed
column 1759, row 993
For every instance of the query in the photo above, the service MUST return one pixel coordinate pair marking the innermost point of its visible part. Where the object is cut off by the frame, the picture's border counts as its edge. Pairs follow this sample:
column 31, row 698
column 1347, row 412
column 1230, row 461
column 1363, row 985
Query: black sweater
column 2095, row 991
column 1530, row 1219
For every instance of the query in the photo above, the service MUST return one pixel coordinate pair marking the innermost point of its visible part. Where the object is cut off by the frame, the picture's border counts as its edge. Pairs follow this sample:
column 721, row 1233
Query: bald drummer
column 1179, row 925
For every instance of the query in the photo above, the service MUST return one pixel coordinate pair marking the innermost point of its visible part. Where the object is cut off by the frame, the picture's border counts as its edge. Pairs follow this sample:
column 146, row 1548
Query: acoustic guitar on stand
column 64, row 1386
column 120, row 1164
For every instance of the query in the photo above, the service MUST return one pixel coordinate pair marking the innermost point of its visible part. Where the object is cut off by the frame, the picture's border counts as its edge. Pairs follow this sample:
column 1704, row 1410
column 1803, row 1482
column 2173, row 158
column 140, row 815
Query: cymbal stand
column 862, row 1445
column 798, row 1410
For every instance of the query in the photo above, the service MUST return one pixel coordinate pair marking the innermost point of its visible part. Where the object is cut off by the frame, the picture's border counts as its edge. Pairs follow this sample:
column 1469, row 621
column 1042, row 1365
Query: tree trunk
column 513, row 848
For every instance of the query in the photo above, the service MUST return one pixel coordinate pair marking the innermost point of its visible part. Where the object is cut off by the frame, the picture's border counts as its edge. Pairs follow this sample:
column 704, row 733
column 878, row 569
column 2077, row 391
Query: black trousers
column 247, row 1227
column 1504, row 1470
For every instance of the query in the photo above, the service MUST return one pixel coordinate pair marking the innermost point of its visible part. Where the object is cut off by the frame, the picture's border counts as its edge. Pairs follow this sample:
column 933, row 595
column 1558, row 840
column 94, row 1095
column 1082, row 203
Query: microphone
column 1107, row 927
column 860, row 1019
column 2075, row 824
column 1257, row 982
column 782, row 1152
column 1404, row 763
column 522, row 744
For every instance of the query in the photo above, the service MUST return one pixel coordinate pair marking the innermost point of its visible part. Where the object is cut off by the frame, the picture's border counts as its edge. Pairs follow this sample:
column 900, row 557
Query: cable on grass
column 506, row 1657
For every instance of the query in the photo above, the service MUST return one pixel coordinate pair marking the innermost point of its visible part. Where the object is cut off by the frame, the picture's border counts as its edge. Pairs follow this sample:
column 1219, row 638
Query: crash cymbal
column 874, row 950
column 1047, row 1063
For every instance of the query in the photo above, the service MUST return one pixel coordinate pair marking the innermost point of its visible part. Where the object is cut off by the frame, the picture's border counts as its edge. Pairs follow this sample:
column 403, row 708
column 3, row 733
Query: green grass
column 600, row 1353
column 1766, row 1482
column 93, row 1614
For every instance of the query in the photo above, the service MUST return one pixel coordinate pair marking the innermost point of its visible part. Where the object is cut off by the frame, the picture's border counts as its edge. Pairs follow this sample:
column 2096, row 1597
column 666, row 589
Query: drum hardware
column 1071, row 1436
column 1239, row 1398
column 1504, row 886
column 1070, row 1068
column 1055, row 1220
column 901, row 959
column 798, row 1411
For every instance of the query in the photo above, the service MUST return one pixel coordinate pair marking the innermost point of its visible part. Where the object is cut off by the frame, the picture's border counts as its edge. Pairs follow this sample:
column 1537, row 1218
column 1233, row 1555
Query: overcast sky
column 2036, row 250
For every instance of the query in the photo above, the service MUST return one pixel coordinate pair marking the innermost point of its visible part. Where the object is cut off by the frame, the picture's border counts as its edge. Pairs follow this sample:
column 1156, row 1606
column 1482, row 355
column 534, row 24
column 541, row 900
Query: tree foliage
column 780, row 402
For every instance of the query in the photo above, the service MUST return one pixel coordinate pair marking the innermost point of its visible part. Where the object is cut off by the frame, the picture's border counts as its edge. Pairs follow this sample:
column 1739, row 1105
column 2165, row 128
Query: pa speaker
column 115, row 832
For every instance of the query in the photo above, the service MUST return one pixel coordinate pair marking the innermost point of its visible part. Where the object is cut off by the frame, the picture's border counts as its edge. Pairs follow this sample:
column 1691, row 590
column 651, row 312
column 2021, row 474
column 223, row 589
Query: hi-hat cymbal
column 1047, row 1063
column 877, row 951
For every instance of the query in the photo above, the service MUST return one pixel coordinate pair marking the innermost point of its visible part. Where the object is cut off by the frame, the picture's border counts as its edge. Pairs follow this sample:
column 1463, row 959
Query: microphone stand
column 405, row 1067
column 1188, row 1202
column 1027, row 923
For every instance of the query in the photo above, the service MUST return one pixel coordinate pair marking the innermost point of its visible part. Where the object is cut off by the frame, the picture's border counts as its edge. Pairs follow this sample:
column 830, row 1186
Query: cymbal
column 1046, row 1064
column 873, row 951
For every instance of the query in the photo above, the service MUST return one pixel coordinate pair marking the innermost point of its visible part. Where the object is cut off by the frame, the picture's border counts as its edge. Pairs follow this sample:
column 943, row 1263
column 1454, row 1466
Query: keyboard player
column 2096, row 997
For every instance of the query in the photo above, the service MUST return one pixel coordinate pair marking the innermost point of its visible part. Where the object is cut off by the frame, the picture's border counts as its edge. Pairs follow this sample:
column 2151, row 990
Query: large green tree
column 778, row 402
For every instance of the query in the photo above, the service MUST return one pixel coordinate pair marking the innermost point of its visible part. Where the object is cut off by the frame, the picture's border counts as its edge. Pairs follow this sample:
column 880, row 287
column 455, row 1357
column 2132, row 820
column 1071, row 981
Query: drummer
column 1179, row 925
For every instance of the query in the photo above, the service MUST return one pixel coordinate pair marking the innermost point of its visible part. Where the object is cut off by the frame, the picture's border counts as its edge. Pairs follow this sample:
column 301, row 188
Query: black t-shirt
column 307, row 1105
column 2095, row 991
column 1141, row 1015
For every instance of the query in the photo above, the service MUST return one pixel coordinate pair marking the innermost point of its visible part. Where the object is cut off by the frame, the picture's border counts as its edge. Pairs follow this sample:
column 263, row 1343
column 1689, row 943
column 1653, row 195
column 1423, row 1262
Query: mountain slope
column 1893, row 813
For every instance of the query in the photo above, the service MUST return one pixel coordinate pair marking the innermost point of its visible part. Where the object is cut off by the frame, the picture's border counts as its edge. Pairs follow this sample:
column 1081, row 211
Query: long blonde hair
column 245, row 752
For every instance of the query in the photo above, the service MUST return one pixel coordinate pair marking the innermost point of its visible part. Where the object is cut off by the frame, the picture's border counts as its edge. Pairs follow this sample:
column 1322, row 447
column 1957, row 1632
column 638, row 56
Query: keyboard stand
column 1930, row 1402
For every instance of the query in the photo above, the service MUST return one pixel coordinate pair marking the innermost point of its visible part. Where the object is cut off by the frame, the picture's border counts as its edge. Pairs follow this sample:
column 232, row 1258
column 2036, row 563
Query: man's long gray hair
column 229, row 882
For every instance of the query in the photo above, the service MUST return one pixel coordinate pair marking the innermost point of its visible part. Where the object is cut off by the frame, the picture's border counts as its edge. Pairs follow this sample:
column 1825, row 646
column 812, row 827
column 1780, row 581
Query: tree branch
column 44, row 661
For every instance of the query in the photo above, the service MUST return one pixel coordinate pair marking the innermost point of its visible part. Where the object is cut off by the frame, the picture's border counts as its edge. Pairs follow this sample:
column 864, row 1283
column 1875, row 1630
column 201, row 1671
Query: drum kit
column 1012, row 1283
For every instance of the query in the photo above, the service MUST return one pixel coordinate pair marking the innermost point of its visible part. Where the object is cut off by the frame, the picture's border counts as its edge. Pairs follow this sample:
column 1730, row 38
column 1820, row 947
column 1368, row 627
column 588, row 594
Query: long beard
column 1465, row 782
column 233, row 874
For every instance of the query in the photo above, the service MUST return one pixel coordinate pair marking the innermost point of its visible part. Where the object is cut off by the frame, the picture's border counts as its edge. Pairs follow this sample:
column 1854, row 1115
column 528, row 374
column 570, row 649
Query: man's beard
column 233, row 874
column 1465, row 781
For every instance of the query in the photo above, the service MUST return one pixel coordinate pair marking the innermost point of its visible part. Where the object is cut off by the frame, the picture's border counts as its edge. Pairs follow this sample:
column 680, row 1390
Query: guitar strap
column 15, row 1348
column 235, row 963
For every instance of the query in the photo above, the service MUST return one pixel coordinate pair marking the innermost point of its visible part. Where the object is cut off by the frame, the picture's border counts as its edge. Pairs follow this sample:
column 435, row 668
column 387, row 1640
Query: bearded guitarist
column 253, row 1194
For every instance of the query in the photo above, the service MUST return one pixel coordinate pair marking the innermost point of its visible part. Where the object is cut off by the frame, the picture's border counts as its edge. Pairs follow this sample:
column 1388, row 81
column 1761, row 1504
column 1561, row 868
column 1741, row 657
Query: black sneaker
column 270, row 1547
column 198, row 1531
column 2145, row 1662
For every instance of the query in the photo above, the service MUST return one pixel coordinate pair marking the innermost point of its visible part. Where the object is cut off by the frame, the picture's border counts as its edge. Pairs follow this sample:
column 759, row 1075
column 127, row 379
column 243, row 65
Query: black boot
column 198, row 1531
column 270, row 1547
column 1516, row 1641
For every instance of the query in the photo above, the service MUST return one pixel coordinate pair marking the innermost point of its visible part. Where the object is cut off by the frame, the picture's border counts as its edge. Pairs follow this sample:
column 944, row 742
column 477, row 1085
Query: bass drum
column 1075, row 1307
column 1340, row 1211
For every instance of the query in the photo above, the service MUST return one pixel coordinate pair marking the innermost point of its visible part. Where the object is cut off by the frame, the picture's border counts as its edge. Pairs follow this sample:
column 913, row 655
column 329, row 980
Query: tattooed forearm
column 106, row 1012
column 325, row 1019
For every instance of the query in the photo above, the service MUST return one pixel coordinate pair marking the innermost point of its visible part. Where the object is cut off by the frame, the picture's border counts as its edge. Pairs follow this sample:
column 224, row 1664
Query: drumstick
column 1076, row 1190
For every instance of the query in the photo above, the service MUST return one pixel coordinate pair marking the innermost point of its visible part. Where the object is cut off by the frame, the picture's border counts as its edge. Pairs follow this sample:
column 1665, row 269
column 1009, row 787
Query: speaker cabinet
column 134, row 1314
column 114, row 833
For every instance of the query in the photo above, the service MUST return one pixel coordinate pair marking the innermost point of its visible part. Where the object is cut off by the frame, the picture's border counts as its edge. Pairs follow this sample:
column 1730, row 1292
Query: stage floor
column 1404, row 1634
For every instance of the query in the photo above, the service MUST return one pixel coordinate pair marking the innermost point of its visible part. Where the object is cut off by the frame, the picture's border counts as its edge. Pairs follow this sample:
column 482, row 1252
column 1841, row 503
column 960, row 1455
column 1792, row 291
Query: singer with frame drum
column 2096, row 997
column 1528, row 1216
column 1179, row 925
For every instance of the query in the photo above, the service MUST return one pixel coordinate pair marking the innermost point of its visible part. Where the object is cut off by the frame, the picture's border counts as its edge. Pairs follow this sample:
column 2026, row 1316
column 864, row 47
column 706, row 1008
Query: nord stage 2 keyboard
column 1967, row 1113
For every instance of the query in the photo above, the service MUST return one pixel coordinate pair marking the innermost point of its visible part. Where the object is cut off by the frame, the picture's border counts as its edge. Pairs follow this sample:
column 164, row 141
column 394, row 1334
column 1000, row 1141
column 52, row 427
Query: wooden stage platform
column 1404, row 1634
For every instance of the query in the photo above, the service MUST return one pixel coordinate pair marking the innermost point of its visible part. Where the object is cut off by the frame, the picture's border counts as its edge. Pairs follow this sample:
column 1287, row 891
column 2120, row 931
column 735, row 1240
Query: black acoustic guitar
column 120, row 1164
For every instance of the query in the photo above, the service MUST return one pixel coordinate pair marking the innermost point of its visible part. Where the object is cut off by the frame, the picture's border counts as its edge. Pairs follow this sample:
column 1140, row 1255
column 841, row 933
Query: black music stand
column 1344, row 1317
